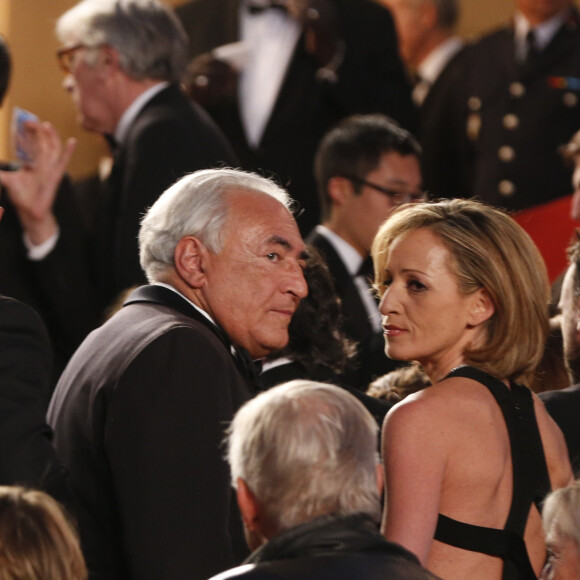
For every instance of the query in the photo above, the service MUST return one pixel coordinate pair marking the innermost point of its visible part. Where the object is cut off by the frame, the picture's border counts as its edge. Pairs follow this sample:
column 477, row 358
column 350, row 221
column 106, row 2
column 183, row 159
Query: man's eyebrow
column 280, row 241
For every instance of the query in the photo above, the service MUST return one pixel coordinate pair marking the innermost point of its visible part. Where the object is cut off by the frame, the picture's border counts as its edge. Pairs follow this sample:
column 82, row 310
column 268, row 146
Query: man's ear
column 109, row 56
column 339, row 190
column 482, row 308
column 191, row 258
column 248, row 506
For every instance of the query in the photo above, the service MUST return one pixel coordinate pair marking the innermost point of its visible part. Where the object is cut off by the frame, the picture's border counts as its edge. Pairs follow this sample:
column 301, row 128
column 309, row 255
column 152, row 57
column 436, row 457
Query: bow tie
column 259, row 7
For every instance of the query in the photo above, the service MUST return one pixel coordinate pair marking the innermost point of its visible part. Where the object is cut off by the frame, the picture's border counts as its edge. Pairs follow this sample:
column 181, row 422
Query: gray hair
column 561, row 514
column 196, row 205
column 306, row 449
column 147, row 34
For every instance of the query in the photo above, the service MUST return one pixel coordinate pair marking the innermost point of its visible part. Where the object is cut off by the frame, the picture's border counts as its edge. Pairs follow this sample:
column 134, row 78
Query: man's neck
column 336, row 228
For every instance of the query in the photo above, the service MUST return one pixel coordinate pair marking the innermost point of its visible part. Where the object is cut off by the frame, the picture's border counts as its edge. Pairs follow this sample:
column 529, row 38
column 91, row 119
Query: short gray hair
column 561, row 514
column 147, row 34
column 306, row 449
column 196, row 205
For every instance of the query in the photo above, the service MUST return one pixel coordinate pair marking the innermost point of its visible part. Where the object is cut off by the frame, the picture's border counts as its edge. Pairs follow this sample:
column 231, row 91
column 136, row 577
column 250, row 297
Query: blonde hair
column 488, row 250
column 37, row 542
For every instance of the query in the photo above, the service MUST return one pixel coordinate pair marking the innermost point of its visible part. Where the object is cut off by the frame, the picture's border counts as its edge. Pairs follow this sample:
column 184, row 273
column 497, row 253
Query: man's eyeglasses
column 397, row 197
column 66, row 56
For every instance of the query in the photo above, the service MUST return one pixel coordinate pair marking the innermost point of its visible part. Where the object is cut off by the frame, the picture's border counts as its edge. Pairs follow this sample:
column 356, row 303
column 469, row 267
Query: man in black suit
column 517, row 101
column 139, row 413
column 429, row 47
column 564, row 405
column 365, row 167
column 123, row 62
column 301, row 67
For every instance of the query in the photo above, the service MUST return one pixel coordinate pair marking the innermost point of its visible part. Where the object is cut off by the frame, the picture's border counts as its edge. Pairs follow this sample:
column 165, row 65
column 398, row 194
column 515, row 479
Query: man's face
column 87, row 84
column 253, row 286
column 570, row 324
column 364, row 212
column 410, row 26
column 538, row 11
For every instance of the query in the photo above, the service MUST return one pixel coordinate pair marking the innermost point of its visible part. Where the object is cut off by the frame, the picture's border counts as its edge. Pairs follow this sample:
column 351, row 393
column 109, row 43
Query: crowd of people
column 300, row 257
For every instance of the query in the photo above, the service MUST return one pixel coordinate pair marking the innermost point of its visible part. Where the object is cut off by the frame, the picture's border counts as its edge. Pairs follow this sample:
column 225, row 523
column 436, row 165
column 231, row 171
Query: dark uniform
column 510, row 118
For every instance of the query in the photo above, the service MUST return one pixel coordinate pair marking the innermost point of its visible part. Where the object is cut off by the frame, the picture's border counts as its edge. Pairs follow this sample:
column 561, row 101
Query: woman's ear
column 190, row 259
column 482, row 308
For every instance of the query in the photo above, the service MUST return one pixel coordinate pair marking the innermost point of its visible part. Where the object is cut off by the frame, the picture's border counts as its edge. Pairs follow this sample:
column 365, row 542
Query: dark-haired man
column 365, row 167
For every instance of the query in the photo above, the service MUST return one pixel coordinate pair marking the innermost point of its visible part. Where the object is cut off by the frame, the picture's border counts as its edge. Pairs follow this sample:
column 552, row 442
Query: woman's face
column 425, row 317
column 564, row 560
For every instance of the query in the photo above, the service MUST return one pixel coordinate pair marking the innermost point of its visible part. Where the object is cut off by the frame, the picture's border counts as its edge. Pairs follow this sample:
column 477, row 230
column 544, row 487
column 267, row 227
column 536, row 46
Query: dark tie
column 258, row 8
column 532, row 51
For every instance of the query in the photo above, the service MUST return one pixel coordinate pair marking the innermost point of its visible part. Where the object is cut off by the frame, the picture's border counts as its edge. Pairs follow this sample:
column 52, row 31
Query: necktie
column 259, row 7
column 532, row 51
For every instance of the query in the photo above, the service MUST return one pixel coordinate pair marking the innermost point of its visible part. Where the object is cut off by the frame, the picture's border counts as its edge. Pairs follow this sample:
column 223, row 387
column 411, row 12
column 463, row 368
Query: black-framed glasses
column 397, row 197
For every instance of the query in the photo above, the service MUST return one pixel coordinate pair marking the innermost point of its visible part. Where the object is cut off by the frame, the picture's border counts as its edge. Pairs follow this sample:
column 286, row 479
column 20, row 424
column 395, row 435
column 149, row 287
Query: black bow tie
column 366, row 269
column 258, row 8
column 249, row 368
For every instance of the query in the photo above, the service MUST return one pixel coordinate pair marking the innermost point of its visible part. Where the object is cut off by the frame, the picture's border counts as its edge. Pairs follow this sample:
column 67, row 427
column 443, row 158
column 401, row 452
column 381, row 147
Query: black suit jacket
column 27, row 456
column 510, row 119
column 371, row 79
column 371, row 360
column 564, row 408
column 139, row 417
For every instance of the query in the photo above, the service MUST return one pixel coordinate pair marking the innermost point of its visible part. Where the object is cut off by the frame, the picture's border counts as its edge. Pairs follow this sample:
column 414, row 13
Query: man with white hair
column 123, row 60
column 304, row 464
column 140, row 411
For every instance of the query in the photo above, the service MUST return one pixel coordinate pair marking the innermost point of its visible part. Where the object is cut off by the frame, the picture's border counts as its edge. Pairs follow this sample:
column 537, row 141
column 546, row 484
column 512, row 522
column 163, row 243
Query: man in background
column 123, row 61
column 365, row 167
column 276, row 76
column 518, row 101
column 304, row 464
column 432, row 52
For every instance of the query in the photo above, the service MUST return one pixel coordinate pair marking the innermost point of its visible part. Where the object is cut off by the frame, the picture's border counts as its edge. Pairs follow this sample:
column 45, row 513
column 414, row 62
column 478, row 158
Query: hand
column 32, row 189
column 320, row 23
column 210, row 81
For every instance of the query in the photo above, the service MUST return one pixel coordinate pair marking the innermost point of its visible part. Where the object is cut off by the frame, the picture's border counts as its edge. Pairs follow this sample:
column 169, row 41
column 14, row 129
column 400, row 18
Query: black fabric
column 564, row 407
column 331, row 548
column 139, row 417
column 531, row 481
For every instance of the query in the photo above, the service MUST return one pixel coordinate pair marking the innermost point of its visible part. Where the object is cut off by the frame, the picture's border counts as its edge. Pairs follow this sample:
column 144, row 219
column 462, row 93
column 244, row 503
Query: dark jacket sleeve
column 27, row 456
column 165, row 451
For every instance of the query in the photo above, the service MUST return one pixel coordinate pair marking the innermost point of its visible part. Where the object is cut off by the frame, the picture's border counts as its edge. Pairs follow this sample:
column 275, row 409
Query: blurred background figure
column 564, row 404
column 318, row 348
column 464, row 293
column 37, row 541
column 365, row 167
column 432, row 52
column 276, row 76
column 561, row 517
column 308, row 481
column 123, row 61
column 518, row 101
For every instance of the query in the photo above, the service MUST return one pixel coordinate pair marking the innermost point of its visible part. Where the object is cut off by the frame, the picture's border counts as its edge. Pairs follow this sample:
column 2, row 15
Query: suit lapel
column 159, row 295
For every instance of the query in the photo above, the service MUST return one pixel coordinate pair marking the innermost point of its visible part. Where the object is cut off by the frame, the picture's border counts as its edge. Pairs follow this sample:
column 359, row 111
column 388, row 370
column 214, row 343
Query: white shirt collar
column 544, row 32
column 134, row 109
column 349, row 255
column 435, row 62
column 203, row 312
